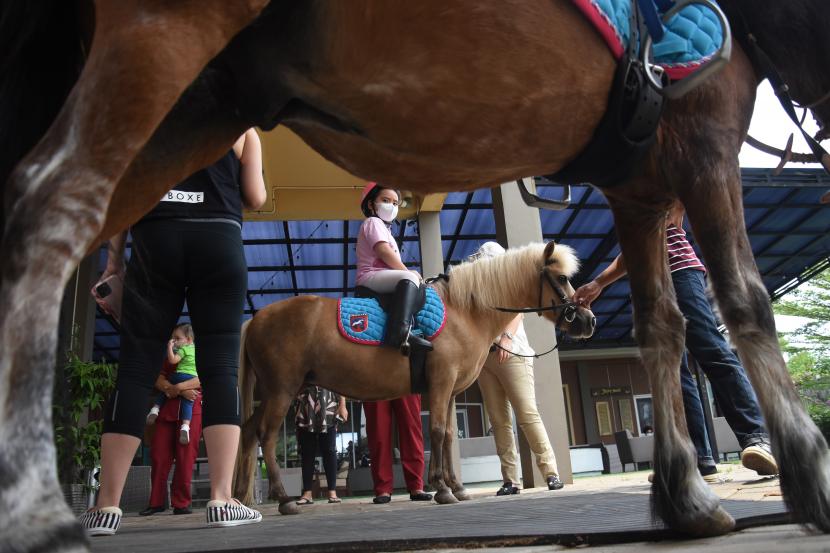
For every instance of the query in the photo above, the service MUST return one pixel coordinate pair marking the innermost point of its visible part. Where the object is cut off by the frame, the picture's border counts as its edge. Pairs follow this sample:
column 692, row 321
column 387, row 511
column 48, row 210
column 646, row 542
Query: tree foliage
column 809, row 347
column 813, row 302
column 77, row 430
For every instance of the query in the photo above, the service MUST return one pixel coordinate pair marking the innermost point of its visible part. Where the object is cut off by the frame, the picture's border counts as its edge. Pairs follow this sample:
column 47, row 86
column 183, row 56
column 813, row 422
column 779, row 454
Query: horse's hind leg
column 56, row 199
column 450, row 474
column 273, row 414
column 798, row 446
column 246, row 460
column 680, row 497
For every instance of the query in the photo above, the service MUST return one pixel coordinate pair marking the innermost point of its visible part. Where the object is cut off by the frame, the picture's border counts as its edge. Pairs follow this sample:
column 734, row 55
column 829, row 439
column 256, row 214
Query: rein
column 535, row 355
column 764, row 63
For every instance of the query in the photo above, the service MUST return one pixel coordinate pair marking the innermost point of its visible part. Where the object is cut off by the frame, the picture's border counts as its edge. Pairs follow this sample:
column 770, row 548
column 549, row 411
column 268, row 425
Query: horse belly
column 437, row 97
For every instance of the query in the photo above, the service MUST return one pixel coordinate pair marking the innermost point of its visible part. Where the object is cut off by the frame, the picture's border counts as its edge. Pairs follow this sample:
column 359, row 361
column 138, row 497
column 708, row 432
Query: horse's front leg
column 56, row 201
column 680, row 497
column 439, row 398
column 799, row 446
column 450, row 474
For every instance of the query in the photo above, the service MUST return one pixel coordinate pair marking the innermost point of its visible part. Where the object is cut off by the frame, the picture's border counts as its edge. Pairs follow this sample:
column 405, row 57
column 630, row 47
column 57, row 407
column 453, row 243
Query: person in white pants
column 507, row 380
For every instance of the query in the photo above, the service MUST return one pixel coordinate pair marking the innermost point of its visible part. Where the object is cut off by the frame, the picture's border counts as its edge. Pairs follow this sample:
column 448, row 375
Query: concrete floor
column 607, row 513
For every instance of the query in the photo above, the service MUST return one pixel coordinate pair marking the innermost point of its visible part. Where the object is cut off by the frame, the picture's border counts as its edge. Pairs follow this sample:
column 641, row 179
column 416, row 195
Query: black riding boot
column 407, row 298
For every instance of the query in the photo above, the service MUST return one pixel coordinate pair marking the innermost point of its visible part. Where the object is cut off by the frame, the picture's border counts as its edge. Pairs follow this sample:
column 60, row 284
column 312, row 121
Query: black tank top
column 212, row 193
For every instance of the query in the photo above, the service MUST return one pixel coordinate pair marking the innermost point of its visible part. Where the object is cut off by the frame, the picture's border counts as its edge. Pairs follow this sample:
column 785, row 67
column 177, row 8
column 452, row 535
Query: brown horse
column 422, row 95
column 296, row 342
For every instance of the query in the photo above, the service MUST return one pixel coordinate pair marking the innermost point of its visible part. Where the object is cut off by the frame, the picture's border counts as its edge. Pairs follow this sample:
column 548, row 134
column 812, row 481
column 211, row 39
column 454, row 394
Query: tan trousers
column 512, row 383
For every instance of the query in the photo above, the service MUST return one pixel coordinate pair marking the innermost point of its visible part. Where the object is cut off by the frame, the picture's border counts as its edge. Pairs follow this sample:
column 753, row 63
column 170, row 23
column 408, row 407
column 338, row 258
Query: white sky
column 771, row 125
column 788, row 323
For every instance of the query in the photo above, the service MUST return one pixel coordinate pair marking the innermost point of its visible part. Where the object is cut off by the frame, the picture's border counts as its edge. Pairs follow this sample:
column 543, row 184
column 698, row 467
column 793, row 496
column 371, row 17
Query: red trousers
column 166, row 449
column 407, row 414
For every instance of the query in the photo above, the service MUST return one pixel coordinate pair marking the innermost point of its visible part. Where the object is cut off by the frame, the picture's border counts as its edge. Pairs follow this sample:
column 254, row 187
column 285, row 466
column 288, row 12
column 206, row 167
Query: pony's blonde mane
column 503, row 280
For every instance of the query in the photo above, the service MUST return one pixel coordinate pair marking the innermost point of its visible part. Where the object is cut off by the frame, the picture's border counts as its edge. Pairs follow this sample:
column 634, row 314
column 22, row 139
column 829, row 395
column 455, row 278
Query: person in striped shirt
column 707, row 345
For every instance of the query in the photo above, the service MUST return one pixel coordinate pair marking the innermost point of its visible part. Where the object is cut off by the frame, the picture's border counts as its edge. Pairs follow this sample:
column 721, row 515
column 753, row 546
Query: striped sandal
column 101, row 522
column 230, row 513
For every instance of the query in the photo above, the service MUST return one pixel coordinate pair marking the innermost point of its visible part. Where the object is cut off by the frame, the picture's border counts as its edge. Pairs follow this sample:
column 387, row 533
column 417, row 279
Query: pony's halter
column 567, row 307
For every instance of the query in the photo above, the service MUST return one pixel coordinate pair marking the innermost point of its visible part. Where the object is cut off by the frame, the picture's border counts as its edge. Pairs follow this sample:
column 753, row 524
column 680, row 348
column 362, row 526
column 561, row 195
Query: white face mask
column 386, row 212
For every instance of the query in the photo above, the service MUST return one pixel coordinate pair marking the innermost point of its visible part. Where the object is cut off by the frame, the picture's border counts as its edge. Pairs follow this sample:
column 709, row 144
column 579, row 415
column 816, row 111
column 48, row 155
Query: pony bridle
column 567, row 307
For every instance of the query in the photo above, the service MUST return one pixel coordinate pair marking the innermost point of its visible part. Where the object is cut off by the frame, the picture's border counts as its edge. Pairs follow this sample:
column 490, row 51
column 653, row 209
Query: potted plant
column 81, row 388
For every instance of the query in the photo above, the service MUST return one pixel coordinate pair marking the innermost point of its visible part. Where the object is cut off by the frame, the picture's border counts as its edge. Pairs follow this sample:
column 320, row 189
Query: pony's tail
column 41, row 57
column 246, row 381
column 246, row 377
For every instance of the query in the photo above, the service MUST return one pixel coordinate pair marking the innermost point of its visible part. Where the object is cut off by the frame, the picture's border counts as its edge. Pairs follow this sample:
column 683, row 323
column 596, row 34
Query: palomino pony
column 296, row 342
column 104, row 108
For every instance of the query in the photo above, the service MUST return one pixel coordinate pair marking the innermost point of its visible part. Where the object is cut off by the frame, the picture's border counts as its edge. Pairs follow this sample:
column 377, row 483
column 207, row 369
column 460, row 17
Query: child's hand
column 189, row 395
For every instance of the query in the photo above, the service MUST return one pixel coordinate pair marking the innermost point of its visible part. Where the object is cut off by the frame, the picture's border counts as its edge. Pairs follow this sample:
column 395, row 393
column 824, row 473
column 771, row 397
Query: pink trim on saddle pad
column 599, row 20
column 443, row 323
column 602, row 25
column 348, row 336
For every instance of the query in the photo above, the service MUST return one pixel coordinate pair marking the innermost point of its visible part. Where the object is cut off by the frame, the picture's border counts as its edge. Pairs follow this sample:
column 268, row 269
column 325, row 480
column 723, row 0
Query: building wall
column 576, row 422
column 604, row 396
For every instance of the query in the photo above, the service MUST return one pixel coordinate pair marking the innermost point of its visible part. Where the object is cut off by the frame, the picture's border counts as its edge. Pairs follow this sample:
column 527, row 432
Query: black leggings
column 308, row 452
column 173, row 261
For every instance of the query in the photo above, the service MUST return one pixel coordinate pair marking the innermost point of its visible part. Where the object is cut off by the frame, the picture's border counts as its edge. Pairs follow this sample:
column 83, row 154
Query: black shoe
column 182, row 511
column 151, row 511
column 382, row 499
column 420, row 496
column 408, row 299
column 507, row 489
column 554, row 483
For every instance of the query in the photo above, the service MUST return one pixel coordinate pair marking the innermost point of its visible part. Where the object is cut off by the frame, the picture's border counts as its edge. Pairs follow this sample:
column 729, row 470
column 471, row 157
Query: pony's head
column 559, row 264
column 533, row 276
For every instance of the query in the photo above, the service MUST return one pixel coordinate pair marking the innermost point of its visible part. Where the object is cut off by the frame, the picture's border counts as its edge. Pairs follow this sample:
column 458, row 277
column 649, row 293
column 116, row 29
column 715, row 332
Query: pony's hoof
column 445, row 497
column 718, row 523
column 289, row 508
column 462, row 494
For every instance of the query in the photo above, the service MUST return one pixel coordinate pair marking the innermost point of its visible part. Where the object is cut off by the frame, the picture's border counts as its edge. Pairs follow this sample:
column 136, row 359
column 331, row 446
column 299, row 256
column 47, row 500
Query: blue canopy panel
column 788, row 229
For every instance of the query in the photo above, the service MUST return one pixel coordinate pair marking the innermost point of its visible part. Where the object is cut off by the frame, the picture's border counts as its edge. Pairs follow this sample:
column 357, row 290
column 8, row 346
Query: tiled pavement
column 612, row 509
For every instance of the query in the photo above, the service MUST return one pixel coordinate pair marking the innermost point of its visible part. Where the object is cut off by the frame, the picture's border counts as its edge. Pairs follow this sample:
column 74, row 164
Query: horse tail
column 246, row 377
column 246, row 381
column 41, row 57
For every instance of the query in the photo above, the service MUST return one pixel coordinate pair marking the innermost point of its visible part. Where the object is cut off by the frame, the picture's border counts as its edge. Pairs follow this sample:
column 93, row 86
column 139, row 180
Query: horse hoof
column 289, row 508
column 445, row 497
column 718, row 523
column 462, row 494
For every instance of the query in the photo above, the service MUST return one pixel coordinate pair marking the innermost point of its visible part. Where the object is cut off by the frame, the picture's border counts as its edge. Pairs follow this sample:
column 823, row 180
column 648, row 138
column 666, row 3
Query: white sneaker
column 101, row 522
column 153, row 414
column 184, row 434
column 758, row 457
column 230, row 513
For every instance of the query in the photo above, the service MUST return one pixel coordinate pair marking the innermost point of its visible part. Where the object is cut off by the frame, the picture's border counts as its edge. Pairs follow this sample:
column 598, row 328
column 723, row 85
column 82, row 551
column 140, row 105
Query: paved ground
column 610, row 513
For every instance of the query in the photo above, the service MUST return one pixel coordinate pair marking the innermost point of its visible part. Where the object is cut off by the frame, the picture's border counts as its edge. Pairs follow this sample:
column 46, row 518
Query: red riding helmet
column 367, row 197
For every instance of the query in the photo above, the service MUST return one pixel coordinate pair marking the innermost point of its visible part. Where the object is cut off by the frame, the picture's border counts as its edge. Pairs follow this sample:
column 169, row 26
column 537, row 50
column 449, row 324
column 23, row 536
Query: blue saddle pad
column 363, row 321
column 691, row 37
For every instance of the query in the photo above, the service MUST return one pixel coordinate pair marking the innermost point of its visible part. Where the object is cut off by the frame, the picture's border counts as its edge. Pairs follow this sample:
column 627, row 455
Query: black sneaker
column 507, row 489
column 554, row 483
column 182, row 511
column 151, row 511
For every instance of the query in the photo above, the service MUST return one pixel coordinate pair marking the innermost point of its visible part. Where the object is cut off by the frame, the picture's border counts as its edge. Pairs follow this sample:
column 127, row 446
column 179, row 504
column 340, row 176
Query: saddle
column 362, row 320
column 690, row 42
